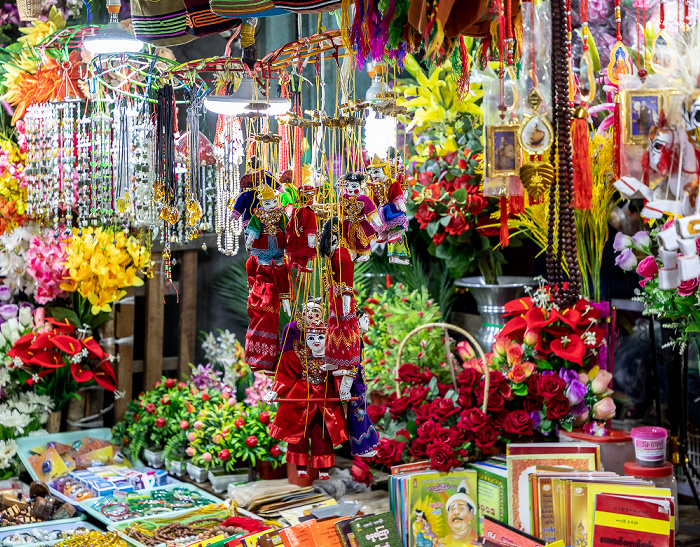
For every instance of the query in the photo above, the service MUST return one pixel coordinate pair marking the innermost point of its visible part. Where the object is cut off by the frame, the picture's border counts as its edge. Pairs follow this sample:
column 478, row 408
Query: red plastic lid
column 613, row 436
column 665, row 470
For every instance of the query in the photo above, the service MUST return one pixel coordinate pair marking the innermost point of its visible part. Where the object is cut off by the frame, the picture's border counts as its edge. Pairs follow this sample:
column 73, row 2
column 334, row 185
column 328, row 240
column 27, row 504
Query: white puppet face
column 313, row 313
column 353, row 188
column 661, row 151
column 377, row 173
column 270, row 204
column 316, row 342
column 363, row 323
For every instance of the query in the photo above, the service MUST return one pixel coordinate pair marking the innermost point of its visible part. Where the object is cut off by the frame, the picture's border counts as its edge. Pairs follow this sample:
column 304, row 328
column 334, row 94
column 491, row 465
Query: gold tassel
column 437, row 41
column 346, row 23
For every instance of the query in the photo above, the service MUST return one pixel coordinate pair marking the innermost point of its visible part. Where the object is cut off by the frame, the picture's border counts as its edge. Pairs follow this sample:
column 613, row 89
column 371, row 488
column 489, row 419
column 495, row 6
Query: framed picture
column 502, row 151
column 536, row 135
column 642, row 109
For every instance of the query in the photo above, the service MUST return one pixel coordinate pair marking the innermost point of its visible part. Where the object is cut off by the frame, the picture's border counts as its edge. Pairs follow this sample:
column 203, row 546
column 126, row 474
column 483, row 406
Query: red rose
column 376, row 412
column 465, row 400
column 486, row 438
column 551, row 387
column 474, row 419
column 424, row 216
column 389, row 452
column 438, row 238
column 463, row 434
column 417, row 395
column 412, row 374
column 397, row 405
column 165, row 401
column 496, row 401
column 533, row 404
column 450, row 157
column 457, row 224
column 443, row 389
column 493, row 228
column 160, row 422
column 518, row 422
column 424, row 413
column 264, row 418
column 497, row 379
column 427, row 429
column 447, row 436
column 533, row 384
column 425, row 178
column 419, row 448
column 498, row 418
column 151, row 408
column 558, row 408
column 442, row 457
column 468, row 380
column 360, row 472
column 444, row 408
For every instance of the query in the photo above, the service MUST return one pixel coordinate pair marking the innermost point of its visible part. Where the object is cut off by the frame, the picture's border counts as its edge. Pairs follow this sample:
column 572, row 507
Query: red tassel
column 583, row 178
column 617, row 136
column 503, row 235
column 516, row 204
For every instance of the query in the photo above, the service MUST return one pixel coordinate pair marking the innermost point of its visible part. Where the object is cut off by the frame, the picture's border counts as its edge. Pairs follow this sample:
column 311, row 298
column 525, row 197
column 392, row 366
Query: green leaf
column 443, row 252
column 61, row 314
column 520, row 389
column 433, row 227
column 543, row 365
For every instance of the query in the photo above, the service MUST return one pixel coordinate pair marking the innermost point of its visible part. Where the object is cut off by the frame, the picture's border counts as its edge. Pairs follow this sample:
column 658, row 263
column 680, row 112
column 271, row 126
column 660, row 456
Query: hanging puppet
column 389, row 198
column 265, row 235
column 302, row 231
column 316, row 422
column 343, row 350
column 247, row 201
column 360, row 218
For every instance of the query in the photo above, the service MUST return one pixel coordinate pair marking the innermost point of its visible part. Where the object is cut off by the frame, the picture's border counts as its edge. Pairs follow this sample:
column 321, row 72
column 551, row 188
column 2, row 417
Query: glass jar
column 661, row 476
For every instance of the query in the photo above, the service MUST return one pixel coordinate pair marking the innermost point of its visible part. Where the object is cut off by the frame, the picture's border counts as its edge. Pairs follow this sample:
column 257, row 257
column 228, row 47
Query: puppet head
column 330, row 237
column 352, row 183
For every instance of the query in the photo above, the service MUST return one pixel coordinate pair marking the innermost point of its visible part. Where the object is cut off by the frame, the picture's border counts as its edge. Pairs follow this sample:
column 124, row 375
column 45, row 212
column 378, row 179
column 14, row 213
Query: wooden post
column 124, row 328
column 188, row 310
column 153, row 355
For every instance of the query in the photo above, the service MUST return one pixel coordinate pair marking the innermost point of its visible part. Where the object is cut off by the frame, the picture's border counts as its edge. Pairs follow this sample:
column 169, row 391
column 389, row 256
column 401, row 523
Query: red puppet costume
column 343, row 349
column 315, row 425
column 267, row 285
column 302, row 232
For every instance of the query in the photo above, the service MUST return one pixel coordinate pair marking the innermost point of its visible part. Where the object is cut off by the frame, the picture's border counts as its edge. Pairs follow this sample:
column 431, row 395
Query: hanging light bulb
column 380, row 131
column 112, row 38
column 244, row 102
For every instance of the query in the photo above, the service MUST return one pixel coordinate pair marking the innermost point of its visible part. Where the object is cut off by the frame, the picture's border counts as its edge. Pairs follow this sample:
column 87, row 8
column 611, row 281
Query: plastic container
column 661, row 476
column 220, row 480
column 154, row 457
column 650, row 446
column 615, row 448
column 53, row 526
column 196, row 473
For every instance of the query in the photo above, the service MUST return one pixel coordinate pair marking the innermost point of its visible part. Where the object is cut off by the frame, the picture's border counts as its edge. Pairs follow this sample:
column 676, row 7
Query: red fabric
column 343, row 335
column 302, row 223
column 617, row 137
column 504, row 222
column 266, row 283
column 583, row 177
column 395, row 193
column 319, row 440
column 293, row 421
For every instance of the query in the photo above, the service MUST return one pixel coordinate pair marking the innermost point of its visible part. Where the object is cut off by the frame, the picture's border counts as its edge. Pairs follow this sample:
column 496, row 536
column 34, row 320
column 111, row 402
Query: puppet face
column 316, row 342
column 661, row 151
column 313, row 313
column 353, row 188
column 363, row 323
column 270, row 204
column 377, row 173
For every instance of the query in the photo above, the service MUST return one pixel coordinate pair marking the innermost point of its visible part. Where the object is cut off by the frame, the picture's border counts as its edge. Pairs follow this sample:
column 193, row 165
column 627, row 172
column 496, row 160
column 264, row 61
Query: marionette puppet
column 310, row 413
column 247, row 200
column 311, row 312
column 266, row 237
column 302, row 231
column 363, row 437
column 343, row 351
column 360, row 218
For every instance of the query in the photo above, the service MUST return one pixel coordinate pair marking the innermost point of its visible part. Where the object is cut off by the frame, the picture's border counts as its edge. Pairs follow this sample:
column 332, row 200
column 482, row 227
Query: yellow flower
column 39, row 30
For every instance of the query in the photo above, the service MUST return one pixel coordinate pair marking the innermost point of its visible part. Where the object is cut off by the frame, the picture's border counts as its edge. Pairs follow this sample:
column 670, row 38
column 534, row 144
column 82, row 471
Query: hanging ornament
column 619, row 64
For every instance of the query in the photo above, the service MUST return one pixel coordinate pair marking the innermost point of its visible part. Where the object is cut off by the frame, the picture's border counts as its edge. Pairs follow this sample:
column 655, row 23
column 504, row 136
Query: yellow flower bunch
column 39, row 30
column 12, row 163
column 102, row 264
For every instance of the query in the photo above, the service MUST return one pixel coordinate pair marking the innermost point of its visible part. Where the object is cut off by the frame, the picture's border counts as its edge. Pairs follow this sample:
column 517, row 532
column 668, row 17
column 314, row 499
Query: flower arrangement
column 230, row 435
column 13, row 259
column 445, row 171
column 262, row 383
column 543, row 376
column 393, row 313
column 163, row 416
column 45, row 259
column 13, row 185
column 101, row 264
column 225, row 352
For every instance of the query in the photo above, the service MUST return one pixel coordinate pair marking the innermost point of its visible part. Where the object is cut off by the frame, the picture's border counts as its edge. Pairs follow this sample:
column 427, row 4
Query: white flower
column 4, row 376
column 25, row 316
column 8, row 449
column 15, row 420
column 36, row 378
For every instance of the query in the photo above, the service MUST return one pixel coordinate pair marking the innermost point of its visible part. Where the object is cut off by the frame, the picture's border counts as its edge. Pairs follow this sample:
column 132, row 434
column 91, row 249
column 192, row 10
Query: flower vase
column 196, row 473
column 154, row 457
column 491, row 301
column 53, row 424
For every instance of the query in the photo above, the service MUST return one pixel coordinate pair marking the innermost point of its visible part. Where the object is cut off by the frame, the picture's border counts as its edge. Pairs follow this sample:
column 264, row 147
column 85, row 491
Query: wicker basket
column 446, row 327
column 29, row 10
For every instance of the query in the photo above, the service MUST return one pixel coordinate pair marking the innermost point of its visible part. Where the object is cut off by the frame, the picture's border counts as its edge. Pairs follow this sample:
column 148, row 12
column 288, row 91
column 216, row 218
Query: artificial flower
column 604, row 409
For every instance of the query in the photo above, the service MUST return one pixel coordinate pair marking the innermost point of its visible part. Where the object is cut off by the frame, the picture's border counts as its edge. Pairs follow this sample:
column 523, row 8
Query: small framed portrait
column 502, row 151
column 642, row 109
column 536, row 135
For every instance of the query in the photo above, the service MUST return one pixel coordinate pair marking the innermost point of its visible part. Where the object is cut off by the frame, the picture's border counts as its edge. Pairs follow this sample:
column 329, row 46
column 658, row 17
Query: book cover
column 298, row 535
column 345, row 533
column 492, row 493
column 519, row 469
column 410, row 467
column 623, row 520
column 502, row 533
column 324, row 534
column 376, row 531
column 270, row 539
column 442, row 508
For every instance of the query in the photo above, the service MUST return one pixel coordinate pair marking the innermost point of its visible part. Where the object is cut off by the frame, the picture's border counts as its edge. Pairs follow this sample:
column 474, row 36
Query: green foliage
column 394, row 313
column 233, row 289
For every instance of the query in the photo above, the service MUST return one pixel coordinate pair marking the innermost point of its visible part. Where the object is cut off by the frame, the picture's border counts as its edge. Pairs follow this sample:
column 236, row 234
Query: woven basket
column 29, row 10
column 446, row 327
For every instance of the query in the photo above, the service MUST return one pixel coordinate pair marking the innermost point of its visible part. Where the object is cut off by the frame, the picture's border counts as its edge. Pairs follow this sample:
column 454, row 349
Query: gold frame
column 544, row 122
column 489, row 170
column 626, row 104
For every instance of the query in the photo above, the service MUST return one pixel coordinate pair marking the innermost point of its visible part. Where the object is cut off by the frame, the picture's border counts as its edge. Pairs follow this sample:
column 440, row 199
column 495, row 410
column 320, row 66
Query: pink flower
column 604, row 409
column 500, row 346
column 45, row 264
column 688, row 288
column 648, row 268
column 531, row 337
column 600, row 383
column 521, row 372
column 626, row 260
column 465, row 351
column 514, row 354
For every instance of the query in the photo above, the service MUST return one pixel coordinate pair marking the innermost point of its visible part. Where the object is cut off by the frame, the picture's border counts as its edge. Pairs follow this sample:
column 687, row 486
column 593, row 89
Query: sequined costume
column 343, row 336
column 318, row 426
column 267, row 285
column 363, row 436
column 358, row 233
column 387, row 195
column 269, row 232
